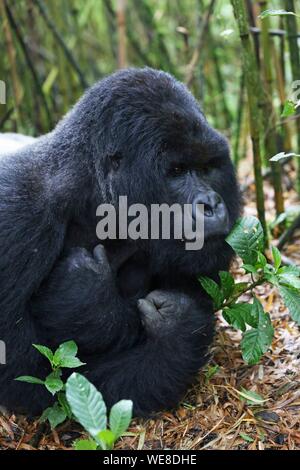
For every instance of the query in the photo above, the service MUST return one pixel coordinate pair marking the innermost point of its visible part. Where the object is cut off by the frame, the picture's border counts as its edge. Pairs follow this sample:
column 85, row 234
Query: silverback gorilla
column 134, row 307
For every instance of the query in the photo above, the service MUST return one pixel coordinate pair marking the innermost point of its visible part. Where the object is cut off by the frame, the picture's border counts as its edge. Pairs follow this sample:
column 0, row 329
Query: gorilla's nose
column 216, row 221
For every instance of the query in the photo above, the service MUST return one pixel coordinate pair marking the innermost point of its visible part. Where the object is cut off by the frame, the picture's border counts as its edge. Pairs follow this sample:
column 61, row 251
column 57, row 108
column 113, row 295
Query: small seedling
column 247, row 240
column 65, row 357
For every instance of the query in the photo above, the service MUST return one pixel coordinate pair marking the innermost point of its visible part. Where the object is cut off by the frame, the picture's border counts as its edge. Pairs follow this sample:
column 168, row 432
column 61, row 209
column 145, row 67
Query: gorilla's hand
column 162, row 311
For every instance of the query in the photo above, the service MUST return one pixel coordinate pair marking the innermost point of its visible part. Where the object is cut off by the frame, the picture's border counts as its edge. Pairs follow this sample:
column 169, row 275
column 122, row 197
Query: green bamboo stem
column 269, row 115
column 252, row 85
column 291, row 26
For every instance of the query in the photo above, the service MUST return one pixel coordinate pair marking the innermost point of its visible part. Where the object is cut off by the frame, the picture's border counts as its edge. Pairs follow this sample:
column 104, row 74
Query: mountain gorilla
column 134, row 307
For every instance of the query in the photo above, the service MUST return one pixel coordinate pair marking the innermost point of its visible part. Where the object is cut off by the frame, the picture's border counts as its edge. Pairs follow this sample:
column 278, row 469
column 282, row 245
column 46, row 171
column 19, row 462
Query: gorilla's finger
column 100, row 254
column 146, row 307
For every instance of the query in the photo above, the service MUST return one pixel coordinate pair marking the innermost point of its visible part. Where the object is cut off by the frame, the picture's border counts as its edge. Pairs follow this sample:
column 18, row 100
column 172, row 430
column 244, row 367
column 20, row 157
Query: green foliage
column 267, row 13
column 88, row 407
column 247, row 240
column 64, row 357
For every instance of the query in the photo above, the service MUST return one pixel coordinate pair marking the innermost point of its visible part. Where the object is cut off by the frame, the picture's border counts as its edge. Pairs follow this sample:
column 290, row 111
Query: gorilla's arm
column 156, row 373
column 80, row 301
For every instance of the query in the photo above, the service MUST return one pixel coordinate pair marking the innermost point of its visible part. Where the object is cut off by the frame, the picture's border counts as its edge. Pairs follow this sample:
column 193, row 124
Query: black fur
column 121, row 138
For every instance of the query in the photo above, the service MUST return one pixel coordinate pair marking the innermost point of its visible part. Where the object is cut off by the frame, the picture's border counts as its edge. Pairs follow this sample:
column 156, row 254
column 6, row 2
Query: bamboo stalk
column 121, row 22
column 291, row 26
column 252, row 85
column 269, row 115
column 201, row 37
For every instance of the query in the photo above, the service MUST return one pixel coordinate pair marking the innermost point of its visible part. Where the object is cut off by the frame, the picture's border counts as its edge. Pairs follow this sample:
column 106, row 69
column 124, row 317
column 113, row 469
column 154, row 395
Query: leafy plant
column 247, row 240
column 64, row 357
column 88, row 407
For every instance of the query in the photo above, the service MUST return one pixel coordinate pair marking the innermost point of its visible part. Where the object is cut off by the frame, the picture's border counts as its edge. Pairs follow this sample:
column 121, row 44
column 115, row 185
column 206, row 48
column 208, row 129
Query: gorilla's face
column 166, row 152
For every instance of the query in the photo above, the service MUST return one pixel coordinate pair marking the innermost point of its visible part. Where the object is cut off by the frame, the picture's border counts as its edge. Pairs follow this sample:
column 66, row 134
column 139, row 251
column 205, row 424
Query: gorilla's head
column 151, row 142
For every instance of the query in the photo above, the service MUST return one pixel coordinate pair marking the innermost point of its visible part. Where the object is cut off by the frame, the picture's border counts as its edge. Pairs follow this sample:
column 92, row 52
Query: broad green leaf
column 44, row 351
column 85, row 444
column 291, row 299
column 240, row 287
column 293, row 269
column 276, row 257
column 30, row 380
column 290, row 280
column 55, row 415
column 120, row 417
column 238, row 315
column 246, row 239
column 71, row 362
column 227, row 284
column 282, row 155
column 270, row 12
column 86, row 403
column 53, row 383
column 289, row 109
column 213, row 290
column 106, row 439
column 65, row 350
column 252, row 398
column 256, row 341
column 249, row 268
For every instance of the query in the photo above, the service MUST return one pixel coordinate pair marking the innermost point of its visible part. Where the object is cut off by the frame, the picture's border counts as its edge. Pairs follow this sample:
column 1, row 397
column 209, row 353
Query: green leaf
column 30, row 380
column 289, row 270
column 53, row 383
column 106, row 439
column 65, row 350
column 86, row 403
column 282, row 155
column 276, row 257
column 249, row 268
column 291, row 299
column 55, row 415
column 227, row 284
column 213, row 290
column 246, row 437
column 289, row 280
column 269, row 12
column 120, row 417
column 246, row 239
column 252, row 398
column 261, row 260
column 256, row 341
column 62, row 400
column 44, row 351
column 211, row 371
column 238, row 315
column 289, row 109
column 85, row 444
column 71, row 363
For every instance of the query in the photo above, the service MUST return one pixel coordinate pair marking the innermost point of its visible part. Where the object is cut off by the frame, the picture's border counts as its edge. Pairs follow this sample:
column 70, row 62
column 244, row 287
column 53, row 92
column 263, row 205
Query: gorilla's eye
column 177, row 170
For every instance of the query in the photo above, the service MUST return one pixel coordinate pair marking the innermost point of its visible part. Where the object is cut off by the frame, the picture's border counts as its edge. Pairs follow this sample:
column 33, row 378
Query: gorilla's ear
column 112, row 162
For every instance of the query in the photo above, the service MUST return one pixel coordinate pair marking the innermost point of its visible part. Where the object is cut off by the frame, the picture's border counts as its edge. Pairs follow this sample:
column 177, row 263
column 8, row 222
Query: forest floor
column 213, row 415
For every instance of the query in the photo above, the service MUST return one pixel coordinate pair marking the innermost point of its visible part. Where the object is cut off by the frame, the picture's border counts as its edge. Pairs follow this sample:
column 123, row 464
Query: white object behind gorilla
column 10, row 142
